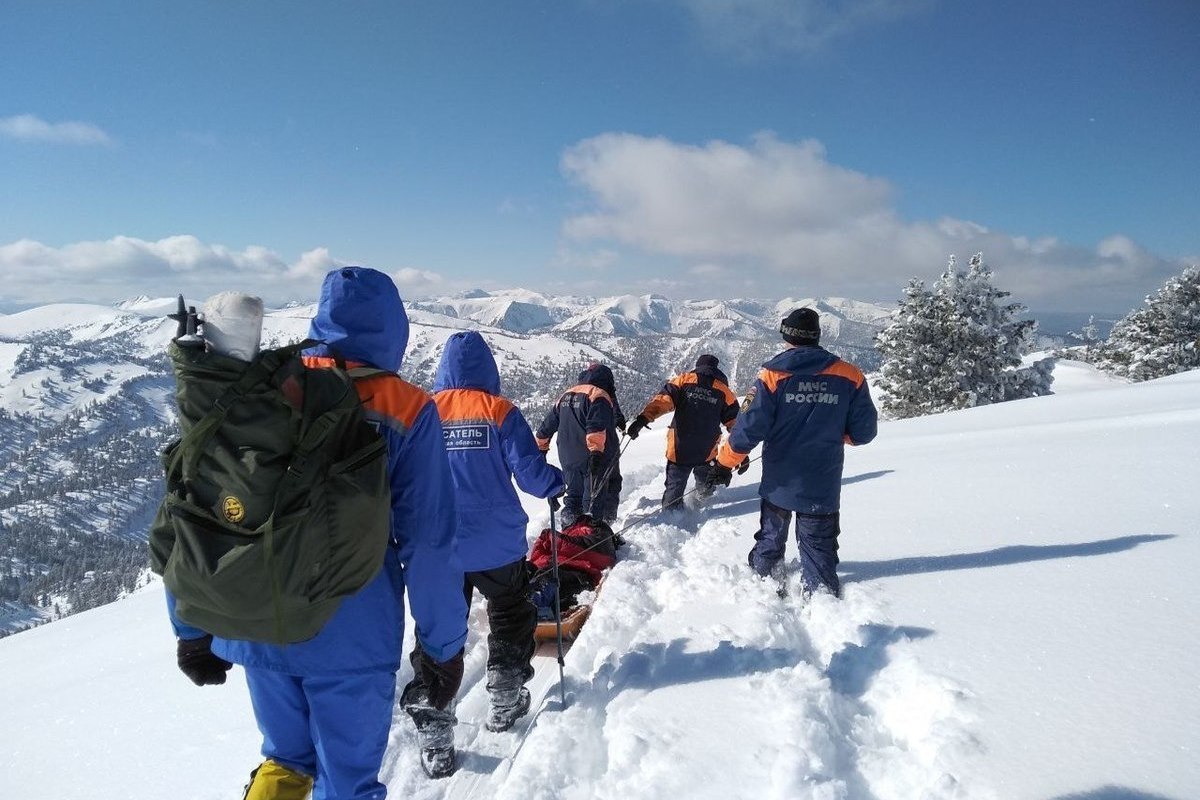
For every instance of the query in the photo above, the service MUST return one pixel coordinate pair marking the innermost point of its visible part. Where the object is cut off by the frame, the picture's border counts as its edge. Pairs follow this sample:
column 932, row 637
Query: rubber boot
column 273, row 781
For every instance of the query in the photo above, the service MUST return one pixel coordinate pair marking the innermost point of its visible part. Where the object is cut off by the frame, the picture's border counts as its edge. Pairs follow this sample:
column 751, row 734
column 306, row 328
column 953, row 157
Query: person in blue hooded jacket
column 324, row 705
column 489, row 444
column 586, row 419
column 807, row 405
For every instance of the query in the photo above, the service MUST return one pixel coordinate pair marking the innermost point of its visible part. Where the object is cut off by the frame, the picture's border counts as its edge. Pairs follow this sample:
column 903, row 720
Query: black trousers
column 512, row 617
column 677, row 478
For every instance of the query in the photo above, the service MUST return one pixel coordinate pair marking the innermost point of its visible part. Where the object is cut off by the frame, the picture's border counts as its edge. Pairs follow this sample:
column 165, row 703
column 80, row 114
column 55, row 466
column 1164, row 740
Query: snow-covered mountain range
column 86, row 404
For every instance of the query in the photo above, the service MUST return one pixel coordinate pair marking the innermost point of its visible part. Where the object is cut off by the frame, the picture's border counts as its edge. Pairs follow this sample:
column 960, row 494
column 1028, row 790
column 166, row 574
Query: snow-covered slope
column 1018, row 623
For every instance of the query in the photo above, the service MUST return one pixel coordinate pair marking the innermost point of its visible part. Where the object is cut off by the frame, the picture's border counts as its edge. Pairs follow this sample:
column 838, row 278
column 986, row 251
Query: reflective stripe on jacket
column 807, row 405
column 489, row 443
column 702, row 403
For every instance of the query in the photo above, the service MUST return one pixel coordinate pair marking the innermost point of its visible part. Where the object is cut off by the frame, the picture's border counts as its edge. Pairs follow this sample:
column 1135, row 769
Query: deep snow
column 1018, row 622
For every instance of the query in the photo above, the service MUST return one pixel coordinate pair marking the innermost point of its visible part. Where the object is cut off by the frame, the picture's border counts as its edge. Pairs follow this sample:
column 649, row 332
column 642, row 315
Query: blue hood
column 804, row 358
column 467, row 363
column 360, row 318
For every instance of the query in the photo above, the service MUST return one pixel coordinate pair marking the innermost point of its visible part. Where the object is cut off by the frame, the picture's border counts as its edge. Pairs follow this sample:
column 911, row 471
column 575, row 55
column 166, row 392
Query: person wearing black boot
column 702, row 403
column 489, row 444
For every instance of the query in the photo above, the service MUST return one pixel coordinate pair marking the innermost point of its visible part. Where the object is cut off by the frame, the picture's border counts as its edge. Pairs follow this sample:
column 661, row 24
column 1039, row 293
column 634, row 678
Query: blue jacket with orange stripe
column 361, row 320
column 489, row 443
column 702, row 403
column 807, row 405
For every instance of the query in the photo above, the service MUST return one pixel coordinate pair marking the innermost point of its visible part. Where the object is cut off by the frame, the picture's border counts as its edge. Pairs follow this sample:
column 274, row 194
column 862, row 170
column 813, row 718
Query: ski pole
column 562, row 685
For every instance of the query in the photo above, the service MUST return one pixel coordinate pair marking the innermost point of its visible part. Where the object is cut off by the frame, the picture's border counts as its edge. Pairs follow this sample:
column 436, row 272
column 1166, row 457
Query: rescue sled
column 572, row 622
column 586, row 548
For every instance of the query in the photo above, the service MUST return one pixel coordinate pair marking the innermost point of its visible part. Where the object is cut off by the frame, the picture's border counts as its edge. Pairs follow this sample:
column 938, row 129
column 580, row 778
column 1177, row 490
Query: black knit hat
column 707, row 360
column 802, row 326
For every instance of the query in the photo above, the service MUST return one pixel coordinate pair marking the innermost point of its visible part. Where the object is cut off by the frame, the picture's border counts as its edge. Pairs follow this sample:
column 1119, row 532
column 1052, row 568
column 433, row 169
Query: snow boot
column 439, row 762
column 435, row 734
column 435, row 730
column 506, row 710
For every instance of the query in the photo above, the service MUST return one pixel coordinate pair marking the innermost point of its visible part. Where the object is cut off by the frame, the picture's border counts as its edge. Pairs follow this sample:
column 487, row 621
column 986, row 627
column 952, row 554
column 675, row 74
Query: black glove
column 596, row 466
column 719, row 475
column 744, row 466
column 441, row 679
column 196, row 660
column 639, row 422
column 556, row 501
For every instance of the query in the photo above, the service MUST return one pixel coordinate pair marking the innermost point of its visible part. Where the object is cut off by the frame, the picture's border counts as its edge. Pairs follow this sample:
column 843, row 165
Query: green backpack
column 277, row 504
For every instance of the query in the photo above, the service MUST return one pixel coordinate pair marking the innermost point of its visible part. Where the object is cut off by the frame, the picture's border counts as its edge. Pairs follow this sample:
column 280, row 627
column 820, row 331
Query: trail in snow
column 682, row 643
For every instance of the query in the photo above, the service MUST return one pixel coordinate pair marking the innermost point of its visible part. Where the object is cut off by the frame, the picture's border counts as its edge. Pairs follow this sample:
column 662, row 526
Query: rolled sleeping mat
column 233, row 324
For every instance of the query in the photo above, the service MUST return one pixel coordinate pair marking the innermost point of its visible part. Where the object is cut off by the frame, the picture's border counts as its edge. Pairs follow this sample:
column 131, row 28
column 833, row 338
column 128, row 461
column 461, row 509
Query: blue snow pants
column 333, row 728
column 578, row 499
column 677, row 478
column 816, row 535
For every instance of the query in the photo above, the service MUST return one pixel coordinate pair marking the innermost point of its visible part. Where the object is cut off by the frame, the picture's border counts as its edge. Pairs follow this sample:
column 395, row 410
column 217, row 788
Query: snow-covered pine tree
column 1088, row 337
column 957, row 346
column 1162, row 337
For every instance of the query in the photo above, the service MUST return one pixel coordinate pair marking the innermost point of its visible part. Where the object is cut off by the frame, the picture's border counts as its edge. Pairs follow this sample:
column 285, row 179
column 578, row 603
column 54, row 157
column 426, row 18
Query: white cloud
column 124, row 266
column 313, row 265
column 28, row 127
column 784, row 210
column 751, row 27
column 414, row 282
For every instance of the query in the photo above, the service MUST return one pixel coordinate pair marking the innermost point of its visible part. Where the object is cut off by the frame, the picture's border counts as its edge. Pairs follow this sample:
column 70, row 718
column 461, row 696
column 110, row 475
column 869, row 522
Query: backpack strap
column 320, row 427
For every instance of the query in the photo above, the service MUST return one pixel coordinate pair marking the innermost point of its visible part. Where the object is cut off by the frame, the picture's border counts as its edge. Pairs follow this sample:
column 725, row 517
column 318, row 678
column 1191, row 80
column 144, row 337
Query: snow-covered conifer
column 1162, row 337
column 956, row 346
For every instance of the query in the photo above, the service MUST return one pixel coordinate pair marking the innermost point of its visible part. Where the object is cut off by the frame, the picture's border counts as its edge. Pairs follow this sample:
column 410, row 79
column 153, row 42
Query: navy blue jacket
column 585, row 419
column 807, row 405
column 702, row 403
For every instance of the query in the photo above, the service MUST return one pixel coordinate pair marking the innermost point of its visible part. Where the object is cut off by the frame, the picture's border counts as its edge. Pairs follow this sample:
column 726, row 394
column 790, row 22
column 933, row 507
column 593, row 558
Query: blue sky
column 692, row 148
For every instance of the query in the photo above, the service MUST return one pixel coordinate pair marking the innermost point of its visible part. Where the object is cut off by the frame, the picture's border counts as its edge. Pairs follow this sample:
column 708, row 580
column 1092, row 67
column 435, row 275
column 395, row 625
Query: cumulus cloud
column 751, row 27
column 27, row 127
column 783, row 209
column 124, row 266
